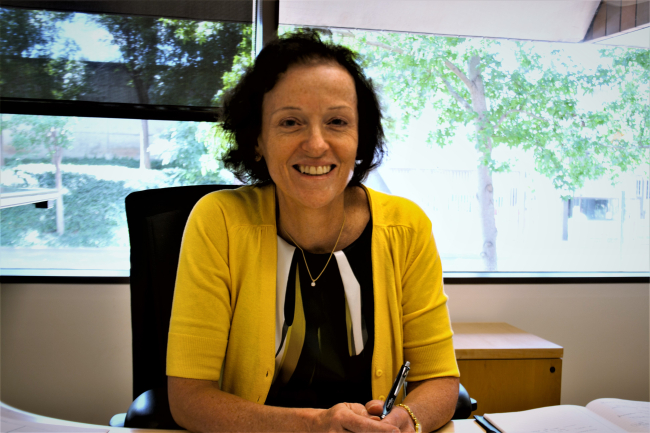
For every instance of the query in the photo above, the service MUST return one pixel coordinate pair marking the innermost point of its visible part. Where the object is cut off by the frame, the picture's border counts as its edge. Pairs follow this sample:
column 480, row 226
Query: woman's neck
column 317, row 230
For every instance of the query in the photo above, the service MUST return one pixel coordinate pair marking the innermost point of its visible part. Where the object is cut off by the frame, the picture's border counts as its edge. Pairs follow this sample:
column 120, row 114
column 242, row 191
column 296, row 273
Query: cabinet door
column 508, row 385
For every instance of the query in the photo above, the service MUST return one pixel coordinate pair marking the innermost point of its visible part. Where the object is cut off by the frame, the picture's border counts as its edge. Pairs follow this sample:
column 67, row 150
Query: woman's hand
column 397, row 417
column 351, row 417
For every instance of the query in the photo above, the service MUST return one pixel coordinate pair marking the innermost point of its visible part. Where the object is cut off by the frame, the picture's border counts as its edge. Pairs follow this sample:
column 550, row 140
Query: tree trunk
column 143, row 97
column 145, row 162
column 485, row 194
column 58, row 183
column 488, row 223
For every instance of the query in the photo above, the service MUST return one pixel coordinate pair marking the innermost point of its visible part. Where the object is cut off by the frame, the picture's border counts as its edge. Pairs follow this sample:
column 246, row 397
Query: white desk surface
column 17, row 421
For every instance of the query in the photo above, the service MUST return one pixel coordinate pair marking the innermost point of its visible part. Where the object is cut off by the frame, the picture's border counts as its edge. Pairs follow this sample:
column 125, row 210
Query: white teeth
column 313, row 170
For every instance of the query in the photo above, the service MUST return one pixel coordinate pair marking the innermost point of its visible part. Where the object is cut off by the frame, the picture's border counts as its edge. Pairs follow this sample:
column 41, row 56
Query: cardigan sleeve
column 202, row 310
column 427, row 338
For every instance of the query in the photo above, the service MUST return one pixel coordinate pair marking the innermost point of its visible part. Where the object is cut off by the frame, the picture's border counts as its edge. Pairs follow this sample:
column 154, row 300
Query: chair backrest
column 156, row 219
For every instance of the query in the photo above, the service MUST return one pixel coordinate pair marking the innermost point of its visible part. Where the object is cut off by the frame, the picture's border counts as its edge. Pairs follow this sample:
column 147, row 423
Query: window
column 122, row 95
column 97, row 105
column 553, row 180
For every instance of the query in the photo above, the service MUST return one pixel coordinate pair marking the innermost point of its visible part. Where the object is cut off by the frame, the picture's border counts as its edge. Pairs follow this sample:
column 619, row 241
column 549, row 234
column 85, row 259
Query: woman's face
column 309, row 133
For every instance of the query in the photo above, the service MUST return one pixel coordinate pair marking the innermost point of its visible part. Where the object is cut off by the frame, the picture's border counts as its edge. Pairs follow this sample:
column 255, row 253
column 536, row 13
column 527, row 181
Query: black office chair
column 156, row 219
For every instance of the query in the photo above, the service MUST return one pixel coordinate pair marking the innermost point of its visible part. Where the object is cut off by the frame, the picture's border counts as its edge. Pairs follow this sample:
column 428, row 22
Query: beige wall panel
column 66, row 350
column 613, row 17
column 628, row 15
column 599, row 27
column 603, row 328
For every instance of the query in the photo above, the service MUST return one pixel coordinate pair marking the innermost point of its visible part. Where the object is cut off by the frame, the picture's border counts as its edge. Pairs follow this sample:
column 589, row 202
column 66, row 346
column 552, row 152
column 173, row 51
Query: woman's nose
column 315, row 144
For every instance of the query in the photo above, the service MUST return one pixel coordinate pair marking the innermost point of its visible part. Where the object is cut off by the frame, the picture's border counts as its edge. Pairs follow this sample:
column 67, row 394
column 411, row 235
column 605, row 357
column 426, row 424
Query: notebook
column 605, row 415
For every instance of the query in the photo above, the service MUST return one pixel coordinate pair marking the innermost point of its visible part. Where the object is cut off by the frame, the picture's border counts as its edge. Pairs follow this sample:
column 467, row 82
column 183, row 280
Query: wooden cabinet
column 506, row 369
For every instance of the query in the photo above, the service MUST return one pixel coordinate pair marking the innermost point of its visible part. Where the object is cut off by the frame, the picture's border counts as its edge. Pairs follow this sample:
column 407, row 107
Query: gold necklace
column 313, row 280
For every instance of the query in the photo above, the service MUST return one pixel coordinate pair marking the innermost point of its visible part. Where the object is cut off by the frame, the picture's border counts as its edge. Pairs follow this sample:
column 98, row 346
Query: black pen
column 486, row 424
column 397, row 386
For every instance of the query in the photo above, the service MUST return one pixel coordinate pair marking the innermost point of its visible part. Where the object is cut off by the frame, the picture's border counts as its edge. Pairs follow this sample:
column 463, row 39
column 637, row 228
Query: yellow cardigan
column 223, row 317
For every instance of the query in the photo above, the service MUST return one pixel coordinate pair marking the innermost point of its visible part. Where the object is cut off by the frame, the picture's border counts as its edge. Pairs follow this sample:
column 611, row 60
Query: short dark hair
column 242, row 113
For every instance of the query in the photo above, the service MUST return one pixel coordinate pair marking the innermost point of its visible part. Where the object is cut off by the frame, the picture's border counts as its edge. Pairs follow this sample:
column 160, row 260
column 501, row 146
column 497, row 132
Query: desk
column 506, row 369
column 16, row 420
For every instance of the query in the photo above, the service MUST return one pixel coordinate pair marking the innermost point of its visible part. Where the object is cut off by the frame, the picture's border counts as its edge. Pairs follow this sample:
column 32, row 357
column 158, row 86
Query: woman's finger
column 400, row 418
column 354, row 417
column 357, row 408
column 375, row 407
column 358, row 423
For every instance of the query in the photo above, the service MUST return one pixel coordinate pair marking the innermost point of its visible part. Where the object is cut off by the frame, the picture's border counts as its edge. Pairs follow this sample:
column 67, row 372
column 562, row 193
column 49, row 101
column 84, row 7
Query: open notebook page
column 631, row 416
column 552, row 419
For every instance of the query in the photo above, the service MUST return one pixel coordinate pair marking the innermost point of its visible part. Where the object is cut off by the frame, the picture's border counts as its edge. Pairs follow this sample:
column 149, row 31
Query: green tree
column 188, row 147
column 628, row 116
column 201, row 55
column 138, row 40
column 54, row 135
column 172, row 61
column 533, row 103
column 28, row 67
column 197, row 148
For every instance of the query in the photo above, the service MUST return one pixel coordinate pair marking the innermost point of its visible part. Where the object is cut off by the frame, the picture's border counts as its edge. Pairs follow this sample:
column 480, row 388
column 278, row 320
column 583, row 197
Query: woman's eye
column 338, row 122
column 289, row 122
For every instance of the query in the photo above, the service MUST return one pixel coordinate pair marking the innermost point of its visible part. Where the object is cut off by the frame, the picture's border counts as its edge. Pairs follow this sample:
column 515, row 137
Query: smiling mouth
column 314, row 170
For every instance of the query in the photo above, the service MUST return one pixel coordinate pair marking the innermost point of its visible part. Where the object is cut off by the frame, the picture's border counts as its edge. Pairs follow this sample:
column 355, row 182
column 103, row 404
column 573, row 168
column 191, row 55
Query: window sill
column 102, row 276
column 63, row 276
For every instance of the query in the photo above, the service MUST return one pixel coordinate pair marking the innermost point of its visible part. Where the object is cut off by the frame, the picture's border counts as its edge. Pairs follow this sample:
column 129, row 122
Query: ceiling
column 544, row 20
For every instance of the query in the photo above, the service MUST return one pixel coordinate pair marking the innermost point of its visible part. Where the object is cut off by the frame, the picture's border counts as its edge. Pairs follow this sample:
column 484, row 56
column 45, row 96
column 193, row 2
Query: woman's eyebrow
column 286, row 108
column 339, row 107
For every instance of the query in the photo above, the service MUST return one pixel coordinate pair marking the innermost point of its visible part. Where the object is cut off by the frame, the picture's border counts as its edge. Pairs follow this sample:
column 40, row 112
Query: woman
column 298, row 299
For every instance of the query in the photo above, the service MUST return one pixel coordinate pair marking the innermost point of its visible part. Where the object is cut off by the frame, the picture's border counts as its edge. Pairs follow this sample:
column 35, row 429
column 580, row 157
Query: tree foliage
column 189, row 148
column 533, row 102
column 174, row 62
column 51, row 133
column 519, row 95
column 29, row 68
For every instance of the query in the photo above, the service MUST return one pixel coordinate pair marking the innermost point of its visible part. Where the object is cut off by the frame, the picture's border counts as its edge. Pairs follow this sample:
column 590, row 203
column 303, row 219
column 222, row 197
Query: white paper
column 552, row 419
column 631, row 416
column 8, row 426
column 16, row 426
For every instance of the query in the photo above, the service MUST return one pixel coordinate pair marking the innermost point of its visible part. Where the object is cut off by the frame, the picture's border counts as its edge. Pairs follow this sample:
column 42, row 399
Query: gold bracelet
column 418, row 428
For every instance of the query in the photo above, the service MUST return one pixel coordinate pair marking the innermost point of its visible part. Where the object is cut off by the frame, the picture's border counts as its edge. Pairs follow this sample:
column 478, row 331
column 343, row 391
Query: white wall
column 66, row 349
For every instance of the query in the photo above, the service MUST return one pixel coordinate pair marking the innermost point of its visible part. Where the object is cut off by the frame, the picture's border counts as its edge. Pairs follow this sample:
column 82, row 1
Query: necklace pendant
column 313, row 283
